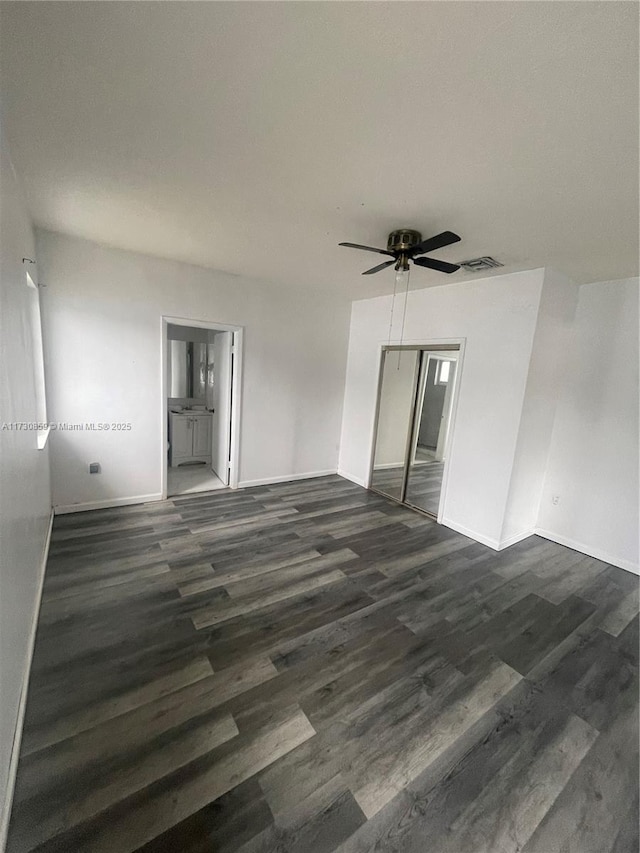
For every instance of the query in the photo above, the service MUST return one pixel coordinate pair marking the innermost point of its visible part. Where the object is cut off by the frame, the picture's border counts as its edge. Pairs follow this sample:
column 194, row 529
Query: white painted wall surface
column 102, row 316
column 593, row 460
column 545, row 382
column 497, row 318
column 25, row 497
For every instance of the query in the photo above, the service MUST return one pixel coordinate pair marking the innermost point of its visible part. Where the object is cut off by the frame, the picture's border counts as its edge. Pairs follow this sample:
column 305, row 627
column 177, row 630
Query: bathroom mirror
column 189, row 365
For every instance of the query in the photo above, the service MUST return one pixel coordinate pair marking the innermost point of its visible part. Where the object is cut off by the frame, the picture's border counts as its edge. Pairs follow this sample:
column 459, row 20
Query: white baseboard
column 472, row 534
column 621, row 563
column 17, row 736
column 495, row 544
column 112, row 502
column 267, row 481
column 511, row 540
column 352, row 477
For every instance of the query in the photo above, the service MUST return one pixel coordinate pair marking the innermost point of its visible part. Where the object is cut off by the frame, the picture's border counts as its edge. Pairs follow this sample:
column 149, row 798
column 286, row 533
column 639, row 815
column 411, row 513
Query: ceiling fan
column 403, row 246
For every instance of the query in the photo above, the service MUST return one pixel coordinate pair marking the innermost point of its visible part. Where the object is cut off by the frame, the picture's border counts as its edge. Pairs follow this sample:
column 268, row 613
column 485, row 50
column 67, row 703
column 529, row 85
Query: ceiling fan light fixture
column 403, row 240
column 404, row 244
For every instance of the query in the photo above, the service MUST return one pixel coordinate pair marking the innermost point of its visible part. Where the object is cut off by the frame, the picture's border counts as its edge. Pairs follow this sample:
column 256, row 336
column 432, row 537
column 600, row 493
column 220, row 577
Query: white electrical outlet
column 555, row 500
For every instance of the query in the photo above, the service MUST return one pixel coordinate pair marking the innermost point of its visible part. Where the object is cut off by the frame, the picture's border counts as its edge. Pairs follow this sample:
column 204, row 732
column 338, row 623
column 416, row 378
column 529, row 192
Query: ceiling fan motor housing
column 403, row 240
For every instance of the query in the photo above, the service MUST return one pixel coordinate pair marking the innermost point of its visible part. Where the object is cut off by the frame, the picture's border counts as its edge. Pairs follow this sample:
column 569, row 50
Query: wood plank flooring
column 309, row 667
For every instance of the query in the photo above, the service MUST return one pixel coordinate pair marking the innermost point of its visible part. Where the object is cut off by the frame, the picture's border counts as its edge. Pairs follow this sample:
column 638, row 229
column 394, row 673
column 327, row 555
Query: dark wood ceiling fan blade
column 367, row 248
column 433, row 264
column 437, row 242
column 379, row 267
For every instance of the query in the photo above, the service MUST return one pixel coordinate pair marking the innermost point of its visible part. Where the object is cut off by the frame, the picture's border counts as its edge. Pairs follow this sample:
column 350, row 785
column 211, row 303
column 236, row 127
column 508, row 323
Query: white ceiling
column 253, row 137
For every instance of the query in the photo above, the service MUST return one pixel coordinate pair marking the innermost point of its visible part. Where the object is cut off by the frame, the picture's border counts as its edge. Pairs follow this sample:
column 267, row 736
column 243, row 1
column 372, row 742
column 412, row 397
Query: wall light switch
column 94, row 467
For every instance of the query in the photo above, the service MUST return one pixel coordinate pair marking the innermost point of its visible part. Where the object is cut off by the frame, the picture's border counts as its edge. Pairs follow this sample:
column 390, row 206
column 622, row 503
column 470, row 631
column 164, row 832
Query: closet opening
column 414, row 424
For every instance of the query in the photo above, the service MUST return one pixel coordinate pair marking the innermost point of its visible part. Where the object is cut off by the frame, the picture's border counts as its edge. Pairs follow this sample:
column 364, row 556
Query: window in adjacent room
column 42, row 431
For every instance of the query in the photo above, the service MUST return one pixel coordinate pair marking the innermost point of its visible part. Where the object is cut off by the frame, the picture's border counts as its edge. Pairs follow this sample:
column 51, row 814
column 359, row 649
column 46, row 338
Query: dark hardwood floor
column 309, row 667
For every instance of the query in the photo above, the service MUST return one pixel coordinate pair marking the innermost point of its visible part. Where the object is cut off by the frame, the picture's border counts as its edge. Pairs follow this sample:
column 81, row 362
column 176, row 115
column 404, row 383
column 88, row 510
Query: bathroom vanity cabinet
column 189, row 438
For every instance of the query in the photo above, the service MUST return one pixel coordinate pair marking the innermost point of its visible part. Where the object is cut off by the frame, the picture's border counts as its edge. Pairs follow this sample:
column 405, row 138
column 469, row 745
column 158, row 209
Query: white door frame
column 236, row 390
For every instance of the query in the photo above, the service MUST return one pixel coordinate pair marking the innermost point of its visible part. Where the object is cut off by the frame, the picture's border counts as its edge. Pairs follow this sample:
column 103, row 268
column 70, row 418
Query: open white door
column 221, row 431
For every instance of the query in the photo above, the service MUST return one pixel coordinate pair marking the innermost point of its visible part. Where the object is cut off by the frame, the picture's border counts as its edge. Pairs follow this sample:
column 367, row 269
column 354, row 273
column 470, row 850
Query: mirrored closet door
column 413, row 424
column 396, row 402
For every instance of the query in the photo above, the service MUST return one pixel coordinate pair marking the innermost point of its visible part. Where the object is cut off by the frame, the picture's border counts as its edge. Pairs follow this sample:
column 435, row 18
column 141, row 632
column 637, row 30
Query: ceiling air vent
column 479, row 264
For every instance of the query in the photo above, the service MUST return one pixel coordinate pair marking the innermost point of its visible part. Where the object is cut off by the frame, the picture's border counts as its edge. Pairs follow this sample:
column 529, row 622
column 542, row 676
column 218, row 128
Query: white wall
column 102, row 317
column 593, row 460
column 497, row 319
column 25, row 498
column 545, row 381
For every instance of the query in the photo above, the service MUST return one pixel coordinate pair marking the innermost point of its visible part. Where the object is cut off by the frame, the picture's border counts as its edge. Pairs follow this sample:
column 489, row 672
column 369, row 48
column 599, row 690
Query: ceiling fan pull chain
column 393, row 304
column 405, row 273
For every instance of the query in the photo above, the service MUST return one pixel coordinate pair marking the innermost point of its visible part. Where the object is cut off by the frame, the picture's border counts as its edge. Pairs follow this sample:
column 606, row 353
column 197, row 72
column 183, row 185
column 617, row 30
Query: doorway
column 200, row 402
column 413, row 426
